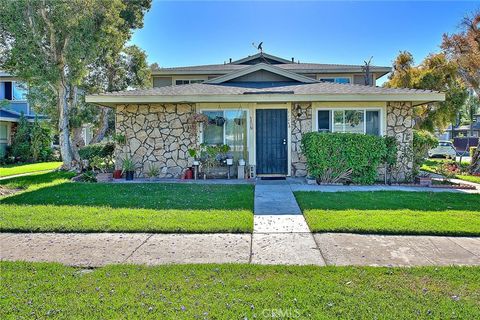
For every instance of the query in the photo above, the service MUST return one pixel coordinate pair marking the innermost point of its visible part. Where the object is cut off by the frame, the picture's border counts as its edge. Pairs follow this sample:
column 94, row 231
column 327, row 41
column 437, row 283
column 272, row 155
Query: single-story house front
column 260, row 106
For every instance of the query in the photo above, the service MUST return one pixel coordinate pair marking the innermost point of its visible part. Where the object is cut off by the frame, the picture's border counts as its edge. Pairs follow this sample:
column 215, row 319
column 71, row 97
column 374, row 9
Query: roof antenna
column 366, row 70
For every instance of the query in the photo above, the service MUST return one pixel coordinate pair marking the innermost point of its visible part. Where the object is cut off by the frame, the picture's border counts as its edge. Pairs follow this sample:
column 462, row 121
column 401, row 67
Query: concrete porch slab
column 193, row 248
column 285, row 248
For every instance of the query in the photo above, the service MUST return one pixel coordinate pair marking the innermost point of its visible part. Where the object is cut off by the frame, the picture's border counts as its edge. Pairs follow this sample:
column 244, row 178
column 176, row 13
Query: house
column 13, row 103
column 260, row 106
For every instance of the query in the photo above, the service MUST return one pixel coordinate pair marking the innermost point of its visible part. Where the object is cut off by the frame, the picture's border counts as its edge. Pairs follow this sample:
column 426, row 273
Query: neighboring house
column 267, row 103
column 13, row 102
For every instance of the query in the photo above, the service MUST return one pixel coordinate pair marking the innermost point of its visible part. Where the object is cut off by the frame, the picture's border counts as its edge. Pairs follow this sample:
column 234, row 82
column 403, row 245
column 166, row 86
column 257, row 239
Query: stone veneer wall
column 301, row 123
column 400, row 124
column 157, row 134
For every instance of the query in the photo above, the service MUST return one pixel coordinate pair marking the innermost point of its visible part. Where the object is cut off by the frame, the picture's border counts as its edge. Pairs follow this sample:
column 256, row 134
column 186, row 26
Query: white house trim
column 262, row 66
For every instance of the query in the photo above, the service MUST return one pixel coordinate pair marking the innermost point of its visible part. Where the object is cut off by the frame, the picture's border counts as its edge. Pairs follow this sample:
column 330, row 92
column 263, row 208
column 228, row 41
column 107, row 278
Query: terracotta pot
column 117, row 174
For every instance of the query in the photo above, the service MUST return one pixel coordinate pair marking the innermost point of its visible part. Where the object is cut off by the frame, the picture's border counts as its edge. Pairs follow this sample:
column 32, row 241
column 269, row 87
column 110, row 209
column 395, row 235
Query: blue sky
column 193, row 33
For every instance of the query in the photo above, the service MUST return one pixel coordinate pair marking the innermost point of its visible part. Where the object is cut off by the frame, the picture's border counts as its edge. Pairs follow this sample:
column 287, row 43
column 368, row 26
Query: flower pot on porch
column 117, row 174
column 424, row 181
column 129, row 175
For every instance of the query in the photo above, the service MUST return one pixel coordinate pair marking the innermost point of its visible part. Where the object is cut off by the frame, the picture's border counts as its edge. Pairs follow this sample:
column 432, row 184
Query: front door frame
column 286, row 106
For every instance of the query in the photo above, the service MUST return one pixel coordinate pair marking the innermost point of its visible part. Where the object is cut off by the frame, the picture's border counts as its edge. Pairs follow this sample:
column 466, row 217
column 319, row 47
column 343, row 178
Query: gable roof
column 261, row 66
column 261, row 56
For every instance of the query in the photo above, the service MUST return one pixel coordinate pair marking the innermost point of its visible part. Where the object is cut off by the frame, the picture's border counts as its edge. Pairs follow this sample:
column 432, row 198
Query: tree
column 434, row 73
column 50, row 44
column 125, row 69
column 464, row 49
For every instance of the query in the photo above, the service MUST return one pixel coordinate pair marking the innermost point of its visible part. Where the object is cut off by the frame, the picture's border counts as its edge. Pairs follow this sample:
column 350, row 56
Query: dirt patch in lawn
column 7, row 191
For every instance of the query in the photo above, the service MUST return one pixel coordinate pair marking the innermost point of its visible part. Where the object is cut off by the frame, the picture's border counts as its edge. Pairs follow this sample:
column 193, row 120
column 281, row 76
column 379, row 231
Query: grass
column 431, row 165
column 386, row 212
column 50, row 203
column 13, row 169
column 41, row 290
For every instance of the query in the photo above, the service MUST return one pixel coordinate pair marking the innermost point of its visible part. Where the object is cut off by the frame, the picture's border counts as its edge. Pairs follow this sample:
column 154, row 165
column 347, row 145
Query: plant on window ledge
column 213, row 156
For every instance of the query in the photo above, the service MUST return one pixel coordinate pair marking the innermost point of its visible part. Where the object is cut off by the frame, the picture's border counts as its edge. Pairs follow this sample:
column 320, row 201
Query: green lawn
column 431, row 165
column 39, row 290
column 13, row 169
column 392, row 212
column 50, row 203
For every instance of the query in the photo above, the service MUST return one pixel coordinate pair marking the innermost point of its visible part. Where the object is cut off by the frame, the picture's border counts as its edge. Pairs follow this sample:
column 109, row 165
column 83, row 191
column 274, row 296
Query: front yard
column 50, row 203
column 433, row 165
column 40, row 290
column 13, row 169
column 387, row 212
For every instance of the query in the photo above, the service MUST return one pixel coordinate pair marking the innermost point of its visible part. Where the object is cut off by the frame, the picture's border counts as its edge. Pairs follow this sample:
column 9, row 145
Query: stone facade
column 301, row 123
column 157, row 134
column 400, row 124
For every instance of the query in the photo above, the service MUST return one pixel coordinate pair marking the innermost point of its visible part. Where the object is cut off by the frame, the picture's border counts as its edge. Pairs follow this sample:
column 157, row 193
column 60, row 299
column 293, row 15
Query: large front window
column 227, row 127
column 363, row 121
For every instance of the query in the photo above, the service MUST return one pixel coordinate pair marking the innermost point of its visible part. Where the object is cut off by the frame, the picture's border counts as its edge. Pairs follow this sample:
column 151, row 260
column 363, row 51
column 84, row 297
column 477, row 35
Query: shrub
column 344, row 157
column 40, row 141
column 20, row 149
column 422, row 142
column 101, row 150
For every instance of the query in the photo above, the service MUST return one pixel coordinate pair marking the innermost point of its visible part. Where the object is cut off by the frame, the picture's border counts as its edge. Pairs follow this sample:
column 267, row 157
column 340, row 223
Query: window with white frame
column 227, row 127
column 336, row 80
column 364, row 121
column 187, row 81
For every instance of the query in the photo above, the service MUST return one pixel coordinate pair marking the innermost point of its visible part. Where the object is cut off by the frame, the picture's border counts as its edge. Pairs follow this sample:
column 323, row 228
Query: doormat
column 273, row 178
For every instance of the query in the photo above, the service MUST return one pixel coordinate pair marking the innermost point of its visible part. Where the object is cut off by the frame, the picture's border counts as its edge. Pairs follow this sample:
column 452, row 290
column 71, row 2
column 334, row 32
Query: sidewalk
column 97, row 249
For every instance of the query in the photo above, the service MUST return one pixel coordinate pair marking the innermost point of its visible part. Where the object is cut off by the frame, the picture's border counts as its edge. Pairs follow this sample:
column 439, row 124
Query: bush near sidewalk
column 345, row 157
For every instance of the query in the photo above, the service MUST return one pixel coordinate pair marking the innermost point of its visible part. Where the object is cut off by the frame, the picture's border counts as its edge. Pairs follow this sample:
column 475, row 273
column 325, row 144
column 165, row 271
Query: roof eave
column 416, row 99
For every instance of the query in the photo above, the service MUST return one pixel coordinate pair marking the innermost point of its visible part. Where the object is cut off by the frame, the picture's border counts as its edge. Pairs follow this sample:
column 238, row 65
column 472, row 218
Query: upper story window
column 365, row 121
column 187, row 81
column 13, row 90
column 336, row 80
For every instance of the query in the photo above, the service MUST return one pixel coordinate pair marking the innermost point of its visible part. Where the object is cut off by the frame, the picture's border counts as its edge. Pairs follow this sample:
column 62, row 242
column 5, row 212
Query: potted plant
column 153, row 171
column 193, row 153
column 128, row 168
column 424, row 179
column 219, row 121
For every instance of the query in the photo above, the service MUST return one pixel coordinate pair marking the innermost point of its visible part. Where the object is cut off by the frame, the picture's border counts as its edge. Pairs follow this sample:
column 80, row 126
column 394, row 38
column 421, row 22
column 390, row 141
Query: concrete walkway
column 98, row 249
column 274, row 197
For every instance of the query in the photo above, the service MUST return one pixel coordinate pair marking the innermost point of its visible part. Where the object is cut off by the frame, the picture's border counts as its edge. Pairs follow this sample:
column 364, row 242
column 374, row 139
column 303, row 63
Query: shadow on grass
column 35, row 180
column 384, row 200
column 148, row 196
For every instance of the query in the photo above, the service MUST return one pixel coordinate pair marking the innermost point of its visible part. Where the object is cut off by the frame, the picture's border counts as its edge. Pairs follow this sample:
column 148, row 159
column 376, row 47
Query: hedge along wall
column 343, row 157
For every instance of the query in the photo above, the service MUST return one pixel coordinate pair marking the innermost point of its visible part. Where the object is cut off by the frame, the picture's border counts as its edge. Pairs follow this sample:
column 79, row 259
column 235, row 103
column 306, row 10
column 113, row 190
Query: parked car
column 444, row 149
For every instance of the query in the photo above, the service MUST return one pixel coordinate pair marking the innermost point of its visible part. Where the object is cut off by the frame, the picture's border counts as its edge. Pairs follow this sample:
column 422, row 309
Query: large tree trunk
column 102, row 130
column 70, row 161
column 475, row 166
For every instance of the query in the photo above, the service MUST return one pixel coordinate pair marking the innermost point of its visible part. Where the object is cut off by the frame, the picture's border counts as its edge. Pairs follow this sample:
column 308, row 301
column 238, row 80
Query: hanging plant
column 198, row 118
column 219, row 121
column 239, row 121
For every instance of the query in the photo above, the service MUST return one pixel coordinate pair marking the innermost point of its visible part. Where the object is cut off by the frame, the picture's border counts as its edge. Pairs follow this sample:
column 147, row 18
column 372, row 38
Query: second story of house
column 337, row 73
column 13, row 99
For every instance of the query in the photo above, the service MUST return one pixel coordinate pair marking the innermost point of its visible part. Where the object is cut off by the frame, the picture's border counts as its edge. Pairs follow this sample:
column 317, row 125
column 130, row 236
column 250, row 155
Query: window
column 12, row 90
column 227, row 127
column 187, row 81
column 362, row 121
column 336, row 80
